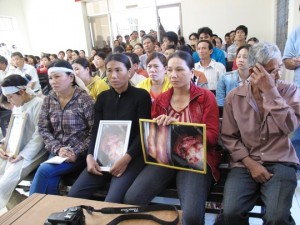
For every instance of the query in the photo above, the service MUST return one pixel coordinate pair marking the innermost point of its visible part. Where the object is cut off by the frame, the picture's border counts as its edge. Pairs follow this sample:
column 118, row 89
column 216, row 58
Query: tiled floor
column 210, row 218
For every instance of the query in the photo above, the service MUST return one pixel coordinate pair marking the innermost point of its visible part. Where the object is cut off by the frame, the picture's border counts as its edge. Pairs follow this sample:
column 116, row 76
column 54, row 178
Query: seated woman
column 95, row 85
column 65, row 124
column 157, row 82
column 99, row 63
column 31, row 154
column 230, row 80
column 121, row 102
column 184, row 102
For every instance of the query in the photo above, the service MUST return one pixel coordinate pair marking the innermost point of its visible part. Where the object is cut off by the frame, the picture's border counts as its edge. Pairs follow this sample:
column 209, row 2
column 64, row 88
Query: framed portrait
column 14, row 133
column 112, row 142
column 179, row 145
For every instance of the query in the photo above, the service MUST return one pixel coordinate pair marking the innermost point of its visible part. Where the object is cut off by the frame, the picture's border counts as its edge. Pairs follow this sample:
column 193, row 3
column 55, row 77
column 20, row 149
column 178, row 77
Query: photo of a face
column 178, row 145
column 112, row 144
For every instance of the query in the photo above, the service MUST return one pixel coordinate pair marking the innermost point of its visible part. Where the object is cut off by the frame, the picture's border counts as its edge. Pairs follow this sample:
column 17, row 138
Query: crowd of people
column 68, row 94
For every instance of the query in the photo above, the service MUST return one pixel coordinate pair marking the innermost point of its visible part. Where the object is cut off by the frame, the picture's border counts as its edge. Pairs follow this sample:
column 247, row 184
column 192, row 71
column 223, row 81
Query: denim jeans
column 296, row 141
column 241, row 193
column 47, row 177
column 88, row 183
column 192, row 190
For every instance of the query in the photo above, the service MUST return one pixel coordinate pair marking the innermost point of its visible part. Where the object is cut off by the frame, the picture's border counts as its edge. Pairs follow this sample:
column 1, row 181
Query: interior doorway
column 100, row 31
column 169, row 19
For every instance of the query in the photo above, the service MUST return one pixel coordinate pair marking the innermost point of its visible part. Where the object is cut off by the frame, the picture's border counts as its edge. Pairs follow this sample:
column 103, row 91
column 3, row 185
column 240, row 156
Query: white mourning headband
column 78, row 81
column 14, row 89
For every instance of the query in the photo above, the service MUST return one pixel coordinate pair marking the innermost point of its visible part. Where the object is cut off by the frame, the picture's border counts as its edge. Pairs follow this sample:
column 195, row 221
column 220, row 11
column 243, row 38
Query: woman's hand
column 92, row 165
column 3, row 154
column 120, row 166
column 11, row 159
column 67, row 152
column 165, row 120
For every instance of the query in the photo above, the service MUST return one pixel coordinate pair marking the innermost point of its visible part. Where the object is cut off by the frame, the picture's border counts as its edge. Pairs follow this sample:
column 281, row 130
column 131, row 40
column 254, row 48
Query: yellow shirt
column 96, row 87
column 146, row 84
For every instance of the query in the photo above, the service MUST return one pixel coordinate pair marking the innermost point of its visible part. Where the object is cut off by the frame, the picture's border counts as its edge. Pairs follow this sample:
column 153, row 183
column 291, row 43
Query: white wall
column 223, row 16
column 14, row 8
column 53, row 25
column 47, row 25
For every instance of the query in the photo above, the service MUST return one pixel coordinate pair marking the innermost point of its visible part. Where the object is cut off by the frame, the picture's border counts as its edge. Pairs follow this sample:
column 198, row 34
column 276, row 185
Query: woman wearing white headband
column 65, row 124
column 13, row 169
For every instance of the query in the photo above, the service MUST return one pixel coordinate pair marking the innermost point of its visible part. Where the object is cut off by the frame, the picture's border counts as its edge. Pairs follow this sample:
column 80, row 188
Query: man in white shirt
column 212, row 69
column 25, row 69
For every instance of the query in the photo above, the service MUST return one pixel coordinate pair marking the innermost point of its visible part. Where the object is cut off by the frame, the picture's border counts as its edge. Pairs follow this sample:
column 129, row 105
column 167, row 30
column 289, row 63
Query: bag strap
column 134, row 213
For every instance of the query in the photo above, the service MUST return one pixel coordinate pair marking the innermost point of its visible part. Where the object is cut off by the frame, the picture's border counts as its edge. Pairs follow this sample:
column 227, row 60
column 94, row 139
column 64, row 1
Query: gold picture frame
column 179, row 145
column 14, row 134
column 112, row 142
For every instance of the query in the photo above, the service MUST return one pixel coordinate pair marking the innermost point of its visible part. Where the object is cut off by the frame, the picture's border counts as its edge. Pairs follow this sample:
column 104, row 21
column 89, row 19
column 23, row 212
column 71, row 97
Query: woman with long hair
column 94, row 84
column 31, row 153
column 121, row 102
column 184, row 102
column 65, row 124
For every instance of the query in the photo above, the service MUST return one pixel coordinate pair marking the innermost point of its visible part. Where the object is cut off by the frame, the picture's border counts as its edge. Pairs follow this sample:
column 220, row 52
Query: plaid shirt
column 69, row 126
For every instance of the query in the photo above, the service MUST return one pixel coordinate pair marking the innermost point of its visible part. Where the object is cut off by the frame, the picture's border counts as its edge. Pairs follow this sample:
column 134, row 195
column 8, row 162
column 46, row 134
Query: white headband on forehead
column 14, row 89
column 78, row 81
column 59, row 69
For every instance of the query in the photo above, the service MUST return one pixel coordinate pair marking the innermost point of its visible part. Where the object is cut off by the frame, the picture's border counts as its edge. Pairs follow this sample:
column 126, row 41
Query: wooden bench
column 170, row 196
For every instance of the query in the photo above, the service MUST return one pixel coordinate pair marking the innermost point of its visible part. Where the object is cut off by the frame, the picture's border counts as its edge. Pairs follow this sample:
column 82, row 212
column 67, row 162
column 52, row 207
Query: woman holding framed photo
column 65, row 124
column 184, row 102
column 122, row 102
column 30, row 152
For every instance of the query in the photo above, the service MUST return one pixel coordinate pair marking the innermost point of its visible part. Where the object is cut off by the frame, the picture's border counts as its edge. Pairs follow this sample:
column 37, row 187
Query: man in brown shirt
column 257, row 120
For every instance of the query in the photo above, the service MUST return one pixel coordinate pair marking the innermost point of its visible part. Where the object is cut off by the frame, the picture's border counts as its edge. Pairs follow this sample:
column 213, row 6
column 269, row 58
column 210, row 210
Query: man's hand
column 262, row 79
column 292, row 63
column 120, row 166
column 3, row 154
column 258, row 172
column 92, row 165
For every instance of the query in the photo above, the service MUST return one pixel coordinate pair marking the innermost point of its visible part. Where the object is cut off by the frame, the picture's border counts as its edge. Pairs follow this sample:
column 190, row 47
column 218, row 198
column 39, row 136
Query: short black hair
column 133, row 57
column 118, row 49
column 210, row 46
column 15, row 80
column 243, row 28
column 148, row 36
column 17, row 54
column 3, row 60
column 205, row 30
column 193, row 34
column 171, row 36
column 101, row 54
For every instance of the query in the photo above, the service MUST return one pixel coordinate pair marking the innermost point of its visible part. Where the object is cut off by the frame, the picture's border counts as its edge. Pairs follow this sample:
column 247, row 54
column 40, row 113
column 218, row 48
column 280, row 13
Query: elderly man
column 257, row 120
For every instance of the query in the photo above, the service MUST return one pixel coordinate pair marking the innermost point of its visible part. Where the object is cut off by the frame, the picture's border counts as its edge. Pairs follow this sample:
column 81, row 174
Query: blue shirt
column 217, row 54
column 292, row 49
column 226, row 83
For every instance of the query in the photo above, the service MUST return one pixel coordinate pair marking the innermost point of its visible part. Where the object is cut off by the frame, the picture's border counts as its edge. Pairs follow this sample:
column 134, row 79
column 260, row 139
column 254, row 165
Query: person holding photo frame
column 31, row 151
column 184, row 102
column 121, row 102
column 65, row 124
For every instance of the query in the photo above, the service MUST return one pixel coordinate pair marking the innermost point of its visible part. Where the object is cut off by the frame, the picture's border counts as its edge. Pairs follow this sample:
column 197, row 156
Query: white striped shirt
column 212, row 72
